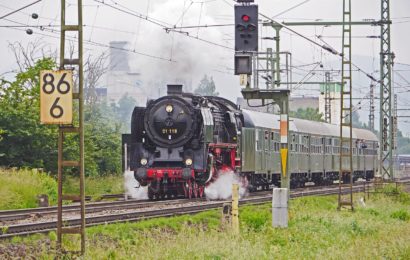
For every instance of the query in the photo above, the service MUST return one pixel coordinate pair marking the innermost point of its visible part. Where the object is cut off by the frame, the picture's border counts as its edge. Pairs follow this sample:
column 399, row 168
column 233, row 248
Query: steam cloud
column 222, row 187
column 191, row 58
column 130, row 184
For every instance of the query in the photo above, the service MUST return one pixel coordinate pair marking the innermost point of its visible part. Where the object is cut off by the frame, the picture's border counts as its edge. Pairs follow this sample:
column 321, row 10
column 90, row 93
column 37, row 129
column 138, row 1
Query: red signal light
column 245, row 18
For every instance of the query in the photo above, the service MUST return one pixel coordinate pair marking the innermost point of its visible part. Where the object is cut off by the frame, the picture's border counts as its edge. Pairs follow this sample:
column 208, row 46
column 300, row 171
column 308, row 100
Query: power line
column 132, row 12
column 326, row 46
column 162, row 24
column 94, row 43
column 291, row 8
column 15, row 11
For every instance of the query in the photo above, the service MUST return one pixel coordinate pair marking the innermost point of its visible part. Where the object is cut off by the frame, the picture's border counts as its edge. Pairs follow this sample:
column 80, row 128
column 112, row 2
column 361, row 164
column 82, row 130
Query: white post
column 125, row 167
column 280, row 207
column 125, row 157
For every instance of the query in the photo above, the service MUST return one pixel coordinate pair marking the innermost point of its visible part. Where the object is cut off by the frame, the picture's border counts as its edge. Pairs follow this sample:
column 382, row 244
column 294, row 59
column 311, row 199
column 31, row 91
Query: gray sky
column 192, row 58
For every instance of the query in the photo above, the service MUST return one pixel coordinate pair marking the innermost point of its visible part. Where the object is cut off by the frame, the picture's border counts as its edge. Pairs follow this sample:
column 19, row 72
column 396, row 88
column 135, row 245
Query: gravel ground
column 22, row 251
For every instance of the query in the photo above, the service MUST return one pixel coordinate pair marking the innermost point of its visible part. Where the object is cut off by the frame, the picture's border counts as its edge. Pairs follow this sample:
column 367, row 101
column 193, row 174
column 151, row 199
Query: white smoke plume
column 190, row 58
column 133, row 188
column 222, row 187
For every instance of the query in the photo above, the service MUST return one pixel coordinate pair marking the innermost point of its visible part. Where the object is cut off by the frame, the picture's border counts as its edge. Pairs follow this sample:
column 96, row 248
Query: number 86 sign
column 56, row 97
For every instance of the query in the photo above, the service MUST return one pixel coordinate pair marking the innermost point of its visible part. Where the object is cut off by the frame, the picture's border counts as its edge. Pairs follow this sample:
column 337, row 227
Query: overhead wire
column 163, row 25
column 327, row 47
column 291, row 8
column 18, row 10
column 94, row 43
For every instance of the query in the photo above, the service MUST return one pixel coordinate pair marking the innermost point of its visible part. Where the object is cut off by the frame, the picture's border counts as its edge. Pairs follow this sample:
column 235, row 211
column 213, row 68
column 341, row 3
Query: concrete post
column 280, row 207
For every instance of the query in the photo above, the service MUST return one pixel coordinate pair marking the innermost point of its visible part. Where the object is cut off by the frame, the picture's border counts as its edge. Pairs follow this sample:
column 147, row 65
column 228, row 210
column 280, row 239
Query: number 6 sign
column 56, row 97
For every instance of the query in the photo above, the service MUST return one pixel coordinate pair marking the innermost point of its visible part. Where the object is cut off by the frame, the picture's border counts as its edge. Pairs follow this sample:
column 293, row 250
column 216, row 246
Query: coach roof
column 271, row 121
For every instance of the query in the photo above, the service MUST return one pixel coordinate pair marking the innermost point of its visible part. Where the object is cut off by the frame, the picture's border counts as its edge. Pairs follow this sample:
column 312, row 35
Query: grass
column 20, row 188
column 380, row 230
column 95, row 186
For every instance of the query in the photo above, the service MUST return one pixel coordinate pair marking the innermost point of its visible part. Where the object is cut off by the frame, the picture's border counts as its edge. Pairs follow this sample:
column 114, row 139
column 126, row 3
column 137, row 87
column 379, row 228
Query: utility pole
column 328, row 113
column 386, row 124
column 395, row 128
column 346, row 147
column 72, row 129
column 371, row 113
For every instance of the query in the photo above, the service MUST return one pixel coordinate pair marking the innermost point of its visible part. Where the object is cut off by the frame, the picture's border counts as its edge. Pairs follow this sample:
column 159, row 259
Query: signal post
column 246, row 46
column 56, row 99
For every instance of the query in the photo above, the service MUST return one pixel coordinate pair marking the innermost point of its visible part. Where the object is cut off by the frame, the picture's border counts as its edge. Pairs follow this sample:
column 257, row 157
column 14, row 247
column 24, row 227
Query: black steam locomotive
column 182, row 142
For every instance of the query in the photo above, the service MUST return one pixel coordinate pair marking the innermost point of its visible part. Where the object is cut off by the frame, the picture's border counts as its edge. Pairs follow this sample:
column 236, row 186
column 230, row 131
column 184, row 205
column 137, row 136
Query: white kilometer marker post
column 280, row 207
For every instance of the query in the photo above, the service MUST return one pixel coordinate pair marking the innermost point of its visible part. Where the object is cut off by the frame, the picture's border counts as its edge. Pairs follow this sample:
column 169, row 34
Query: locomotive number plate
column 56, row 97
column 169, row 131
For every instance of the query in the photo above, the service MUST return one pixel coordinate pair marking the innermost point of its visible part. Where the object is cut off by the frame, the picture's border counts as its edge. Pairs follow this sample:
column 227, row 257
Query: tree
column 102, row 133
column 24, row 142
column 125, row 107
column 403, row 143
column 356, row 120
column 95, row 68
column 206, row 87
column 27, row 56
column 308, row 114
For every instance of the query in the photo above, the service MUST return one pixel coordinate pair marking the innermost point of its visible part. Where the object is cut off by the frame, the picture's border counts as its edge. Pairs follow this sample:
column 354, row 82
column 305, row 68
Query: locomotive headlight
column 169, row 108
column 143, row 161
column 188, row 162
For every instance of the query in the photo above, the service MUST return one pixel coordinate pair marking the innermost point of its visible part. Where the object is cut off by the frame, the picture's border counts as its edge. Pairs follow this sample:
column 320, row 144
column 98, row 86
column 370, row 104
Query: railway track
column 171, row 208
column 21, row 214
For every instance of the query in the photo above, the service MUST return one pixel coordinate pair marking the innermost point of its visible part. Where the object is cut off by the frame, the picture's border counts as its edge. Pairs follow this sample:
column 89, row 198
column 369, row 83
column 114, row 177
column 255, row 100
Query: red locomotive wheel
column 201, row 191
column 196, row 190
column 190, row 190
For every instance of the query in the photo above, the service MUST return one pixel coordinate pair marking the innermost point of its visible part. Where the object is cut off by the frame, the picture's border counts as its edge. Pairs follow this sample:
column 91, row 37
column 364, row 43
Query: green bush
column 20, row 188
column 401, row 214
column 25, row 142
column 255, row 219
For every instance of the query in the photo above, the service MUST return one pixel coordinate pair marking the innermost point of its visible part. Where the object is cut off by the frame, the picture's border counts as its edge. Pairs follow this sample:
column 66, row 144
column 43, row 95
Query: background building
column 121, row 78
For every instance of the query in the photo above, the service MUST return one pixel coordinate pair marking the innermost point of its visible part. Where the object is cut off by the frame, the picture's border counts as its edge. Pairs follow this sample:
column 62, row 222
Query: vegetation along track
column 181, row 207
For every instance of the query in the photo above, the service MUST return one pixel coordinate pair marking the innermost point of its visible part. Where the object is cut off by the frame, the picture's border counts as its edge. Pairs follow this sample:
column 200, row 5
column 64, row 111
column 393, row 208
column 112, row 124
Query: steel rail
column 43, row 227
column 20, row 214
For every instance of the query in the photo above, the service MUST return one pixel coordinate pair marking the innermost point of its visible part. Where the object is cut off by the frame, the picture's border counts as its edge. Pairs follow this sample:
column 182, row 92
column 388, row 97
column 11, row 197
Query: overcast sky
column 175, row 55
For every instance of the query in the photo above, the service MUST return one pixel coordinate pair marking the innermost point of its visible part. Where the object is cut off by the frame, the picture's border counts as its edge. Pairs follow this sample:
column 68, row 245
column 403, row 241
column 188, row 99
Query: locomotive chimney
column 174, row 90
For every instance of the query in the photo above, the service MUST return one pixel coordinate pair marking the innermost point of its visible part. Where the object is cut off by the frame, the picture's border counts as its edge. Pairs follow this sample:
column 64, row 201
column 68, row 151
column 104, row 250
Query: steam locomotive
column 182, row 142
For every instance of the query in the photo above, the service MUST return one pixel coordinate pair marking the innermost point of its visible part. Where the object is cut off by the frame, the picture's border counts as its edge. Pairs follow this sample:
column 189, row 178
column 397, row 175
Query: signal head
column 245, row 18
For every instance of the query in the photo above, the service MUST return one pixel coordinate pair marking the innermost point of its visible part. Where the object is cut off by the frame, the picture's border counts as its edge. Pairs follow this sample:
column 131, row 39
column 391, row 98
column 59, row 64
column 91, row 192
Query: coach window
column 266, row 142
column 257, row 139
column 272, row 141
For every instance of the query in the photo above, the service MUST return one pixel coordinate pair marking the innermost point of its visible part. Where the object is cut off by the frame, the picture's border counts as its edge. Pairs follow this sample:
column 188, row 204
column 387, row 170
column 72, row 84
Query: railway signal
column 243, row 64
column 56, row 97
column 246, row 28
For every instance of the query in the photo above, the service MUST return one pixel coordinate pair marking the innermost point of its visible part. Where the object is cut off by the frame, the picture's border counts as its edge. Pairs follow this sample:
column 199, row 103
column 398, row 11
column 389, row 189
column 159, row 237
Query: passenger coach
column 313, row 149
